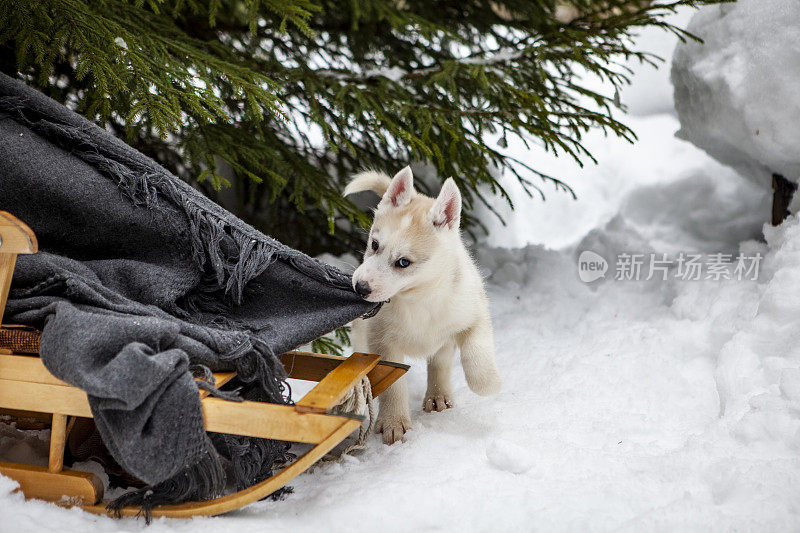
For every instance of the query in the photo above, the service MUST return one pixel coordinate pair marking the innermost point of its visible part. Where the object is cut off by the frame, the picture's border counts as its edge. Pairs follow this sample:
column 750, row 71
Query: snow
column 509, row 456
column 736, row 95
column 628, row 405
column 393, row 73
column 657, row 165
column 29, row 447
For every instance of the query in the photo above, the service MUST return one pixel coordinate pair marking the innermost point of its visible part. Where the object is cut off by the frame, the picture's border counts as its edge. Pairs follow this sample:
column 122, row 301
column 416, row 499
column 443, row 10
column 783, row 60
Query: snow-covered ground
column 628, row 405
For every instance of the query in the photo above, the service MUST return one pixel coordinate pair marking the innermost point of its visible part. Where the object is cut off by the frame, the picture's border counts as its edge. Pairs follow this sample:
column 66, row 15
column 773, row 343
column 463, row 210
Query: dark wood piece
column 783, row 191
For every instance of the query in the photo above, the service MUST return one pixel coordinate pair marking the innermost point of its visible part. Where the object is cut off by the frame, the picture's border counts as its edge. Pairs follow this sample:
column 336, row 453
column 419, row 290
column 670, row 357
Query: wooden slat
column 268, row 421
column 386, row 373
column 7, row 262
column 314, row 367
column 299, row 365
column 58, row 438
column 43, row 397
column 27, row 368
column 309, row 366
column 37, row 482
column 25, row 384
column 17, row 237
column 333, row 387
column 250, row 419
column 31, row 368
column 220, row 379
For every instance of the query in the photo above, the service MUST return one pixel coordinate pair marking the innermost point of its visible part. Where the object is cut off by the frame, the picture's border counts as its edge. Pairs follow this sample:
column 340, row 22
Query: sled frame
column 29, row 391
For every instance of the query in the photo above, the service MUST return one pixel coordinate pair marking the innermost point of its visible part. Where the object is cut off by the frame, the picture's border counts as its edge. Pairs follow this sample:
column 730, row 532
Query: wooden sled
column 29, row 390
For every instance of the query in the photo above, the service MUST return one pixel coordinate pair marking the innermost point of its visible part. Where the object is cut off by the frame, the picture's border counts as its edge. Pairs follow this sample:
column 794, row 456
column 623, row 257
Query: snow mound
column 705, row 211
column 758, row 371
column 509, row 457
column 736, row 93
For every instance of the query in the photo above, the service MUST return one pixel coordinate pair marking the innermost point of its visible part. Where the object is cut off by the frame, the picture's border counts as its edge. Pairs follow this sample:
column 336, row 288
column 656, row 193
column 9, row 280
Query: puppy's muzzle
column 363, row 289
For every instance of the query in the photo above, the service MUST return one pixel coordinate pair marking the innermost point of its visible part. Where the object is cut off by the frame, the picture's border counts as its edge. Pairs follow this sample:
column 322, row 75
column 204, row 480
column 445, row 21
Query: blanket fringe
column 202, row 480
column 229, row 256
column 263, row 376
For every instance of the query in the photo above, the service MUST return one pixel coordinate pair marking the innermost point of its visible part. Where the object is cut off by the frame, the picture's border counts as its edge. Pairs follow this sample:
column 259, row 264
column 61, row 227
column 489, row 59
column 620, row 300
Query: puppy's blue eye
column 402, row 262
column 374, row 245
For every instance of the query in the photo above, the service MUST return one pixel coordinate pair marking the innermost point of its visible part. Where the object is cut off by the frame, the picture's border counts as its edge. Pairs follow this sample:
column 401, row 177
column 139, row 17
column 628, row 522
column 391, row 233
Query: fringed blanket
column 141, row 285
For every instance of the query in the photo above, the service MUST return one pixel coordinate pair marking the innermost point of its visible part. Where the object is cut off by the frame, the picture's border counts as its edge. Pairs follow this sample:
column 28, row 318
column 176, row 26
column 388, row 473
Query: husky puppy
column 416, row 259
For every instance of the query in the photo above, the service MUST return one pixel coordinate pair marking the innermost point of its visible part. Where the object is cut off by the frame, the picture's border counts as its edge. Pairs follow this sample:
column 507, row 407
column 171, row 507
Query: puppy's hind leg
column 439, row 395
column 477, row 358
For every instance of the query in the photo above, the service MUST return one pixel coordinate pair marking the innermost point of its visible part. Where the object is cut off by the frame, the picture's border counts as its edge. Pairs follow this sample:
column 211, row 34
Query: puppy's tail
column 368, row 180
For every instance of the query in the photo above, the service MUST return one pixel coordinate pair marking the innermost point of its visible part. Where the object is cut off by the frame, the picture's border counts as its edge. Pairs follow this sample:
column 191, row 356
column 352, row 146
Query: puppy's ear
column 446, row 211
column 401, row 189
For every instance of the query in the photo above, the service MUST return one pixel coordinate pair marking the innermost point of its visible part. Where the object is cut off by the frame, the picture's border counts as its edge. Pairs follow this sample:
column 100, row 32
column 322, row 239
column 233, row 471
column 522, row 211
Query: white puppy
column 416, row 258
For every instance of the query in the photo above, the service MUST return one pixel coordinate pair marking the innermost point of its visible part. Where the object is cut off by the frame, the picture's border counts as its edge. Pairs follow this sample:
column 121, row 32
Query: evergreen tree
column 270, row 104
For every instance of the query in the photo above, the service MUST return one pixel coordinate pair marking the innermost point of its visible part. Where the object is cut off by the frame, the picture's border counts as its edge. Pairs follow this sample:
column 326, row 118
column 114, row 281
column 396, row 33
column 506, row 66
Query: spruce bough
column 270, row 104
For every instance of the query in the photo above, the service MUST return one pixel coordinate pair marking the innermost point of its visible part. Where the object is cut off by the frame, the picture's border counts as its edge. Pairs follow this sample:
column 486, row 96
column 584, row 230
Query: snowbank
column 737, row 94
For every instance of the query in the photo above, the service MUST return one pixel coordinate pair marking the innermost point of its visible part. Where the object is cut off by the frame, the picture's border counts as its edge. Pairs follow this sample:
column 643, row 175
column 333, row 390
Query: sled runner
column 28, row 391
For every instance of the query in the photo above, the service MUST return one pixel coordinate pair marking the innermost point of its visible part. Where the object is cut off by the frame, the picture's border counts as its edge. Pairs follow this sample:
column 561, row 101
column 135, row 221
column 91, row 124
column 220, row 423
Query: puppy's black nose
column 363, row 289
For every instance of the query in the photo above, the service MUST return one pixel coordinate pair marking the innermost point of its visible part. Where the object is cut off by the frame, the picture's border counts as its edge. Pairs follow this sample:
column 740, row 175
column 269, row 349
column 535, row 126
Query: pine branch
column 272, row 104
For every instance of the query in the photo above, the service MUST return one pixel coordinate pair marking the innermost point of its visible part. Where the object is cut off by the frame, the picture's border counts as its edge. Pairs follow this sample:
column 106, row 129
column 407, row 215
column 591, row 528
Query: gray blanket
column 141, row 285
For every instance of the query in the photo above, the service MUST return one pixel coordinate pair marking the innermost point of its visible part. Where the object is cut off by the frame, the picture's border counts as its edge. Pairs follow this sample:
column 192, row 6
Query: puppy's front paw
column 393, row 428
column 486, row 383
column 436, row 402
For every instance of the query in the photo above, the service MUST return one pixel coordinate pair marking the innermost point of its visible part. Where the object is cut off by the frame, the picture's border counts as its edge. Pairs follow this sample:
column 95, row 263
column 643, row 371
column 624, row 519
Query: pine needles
column 272, row 104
